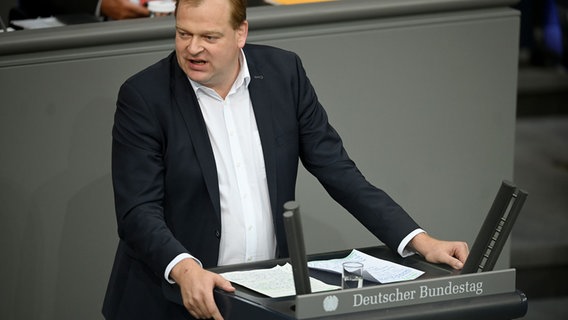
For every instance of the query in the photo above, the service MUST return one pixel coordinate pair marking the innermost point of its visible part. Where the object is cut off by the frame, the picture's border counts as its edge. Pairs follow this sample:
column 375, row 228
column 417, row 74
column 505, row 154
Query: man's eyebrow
column 209, row 33
column 212, row 33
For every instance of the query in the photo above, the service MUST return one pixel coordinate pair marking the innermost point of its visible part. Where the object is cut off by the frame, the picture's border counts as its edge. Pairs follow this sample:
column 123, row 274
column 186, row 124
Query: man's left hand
column 452, row 253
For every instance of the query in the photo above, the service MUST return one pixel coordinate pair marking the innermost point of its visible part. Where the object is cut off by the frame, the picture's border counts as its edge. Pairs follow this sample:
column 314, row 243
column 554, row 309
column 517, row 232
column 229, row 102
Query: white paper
column 39, row 23
column 374, row 269
column 275, row 282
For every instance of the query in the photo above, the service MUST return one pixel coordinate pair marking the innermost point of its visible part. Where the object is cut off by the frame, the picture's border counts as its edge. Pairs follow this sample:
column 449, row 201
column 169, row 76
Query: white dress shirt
column 247, row 229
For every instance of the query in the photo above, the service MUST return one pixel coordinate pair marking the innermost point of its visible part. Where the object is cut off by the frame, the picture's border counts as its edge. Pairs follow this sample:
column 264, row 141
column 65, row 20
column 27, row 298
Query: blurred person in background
column 105, row 9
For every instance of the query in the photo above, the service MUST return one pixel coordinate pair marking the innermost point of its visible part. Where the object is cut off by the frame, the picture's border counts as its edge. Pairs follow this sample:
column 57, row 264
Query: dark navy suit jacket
column 165, row 180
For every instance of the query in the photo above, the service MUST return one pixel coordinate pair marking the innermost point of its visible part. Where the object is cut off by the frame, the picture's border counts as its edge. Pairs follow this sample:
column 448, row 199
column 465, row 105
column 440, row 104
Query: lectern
column 440, row 293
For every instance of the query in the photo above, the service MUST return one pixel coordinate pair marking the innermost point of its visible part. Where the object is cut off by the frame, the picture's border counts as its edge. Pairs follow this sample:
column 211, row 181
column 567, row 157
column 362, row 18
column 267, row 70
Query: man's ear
column 242, row 33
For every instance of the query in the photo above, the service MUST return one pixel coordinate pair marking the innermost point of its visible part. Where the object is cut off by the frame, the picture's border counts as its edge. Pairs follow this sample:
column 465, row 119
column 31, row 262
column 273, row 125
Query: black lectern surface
column 505, row 304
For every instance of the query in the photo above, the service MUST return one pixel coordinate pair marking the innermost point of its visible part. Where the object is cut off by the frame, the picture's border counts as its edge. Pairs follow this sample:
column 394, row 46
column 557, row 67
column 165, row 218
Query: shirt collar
column 243, row 78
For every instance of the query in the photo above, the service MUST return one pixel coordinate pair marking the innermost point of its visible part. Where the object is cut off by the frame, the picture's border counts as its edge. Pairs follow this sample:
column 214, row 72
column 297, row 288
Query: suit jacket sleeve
column 138, row 179
column 322, row 153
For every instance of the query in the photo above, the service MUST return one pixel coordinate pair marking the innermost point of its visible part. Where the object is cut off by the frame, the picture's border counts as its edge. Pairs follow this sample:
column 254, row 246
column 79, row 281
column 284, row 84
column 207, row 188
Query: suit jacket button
column 217, row 234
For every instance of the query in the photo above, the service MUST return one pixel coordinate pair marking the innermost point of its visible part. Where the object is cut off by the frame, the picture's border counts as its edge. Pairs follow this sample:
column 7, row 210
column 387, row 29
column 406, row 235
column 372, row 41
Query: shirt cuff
column 175, row 261
column 403, row 246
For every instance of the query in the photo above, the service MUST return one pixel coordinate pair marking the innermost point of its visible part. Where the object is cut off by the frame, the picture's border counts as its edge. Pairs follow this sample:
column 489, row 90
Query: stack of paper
column 374, row 269
column 279, row 281
column 275, row 282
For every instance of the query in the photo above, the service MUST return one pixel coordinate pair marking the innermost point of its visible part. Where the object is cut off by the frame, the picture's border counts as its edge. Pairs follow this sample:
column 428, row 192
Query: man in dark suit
column 206, row 144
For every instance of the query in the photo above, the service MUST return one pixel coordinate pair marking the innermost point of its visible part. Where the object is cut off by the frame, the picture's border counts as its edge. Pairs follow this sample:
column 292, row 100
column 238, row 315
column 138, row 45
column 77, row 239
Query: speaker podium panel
column 440, row 293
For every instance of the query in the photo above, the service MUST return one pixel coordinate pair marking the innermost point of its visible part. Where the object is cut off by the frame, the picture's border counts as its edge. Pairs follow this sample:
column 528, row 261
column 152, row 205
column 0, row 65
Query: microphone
column 296, row 248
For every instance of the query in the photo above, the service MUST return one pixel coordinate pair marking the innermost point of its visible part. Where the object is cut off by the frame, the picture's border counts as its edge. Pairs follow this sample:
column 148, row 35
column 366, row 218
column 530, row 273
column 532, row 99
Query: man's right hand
column 197, row 286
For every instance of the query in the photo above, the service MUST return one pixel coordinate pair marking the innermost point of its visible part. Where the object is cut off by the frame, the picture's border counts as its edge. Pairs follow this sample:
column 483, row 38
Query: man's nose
column 194, row 47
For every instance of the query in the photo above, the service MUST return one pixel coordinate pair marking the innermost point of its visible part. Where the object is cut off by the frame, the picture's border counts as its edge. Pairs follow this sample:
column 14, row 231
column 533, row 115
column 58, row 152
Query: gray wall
column 423, row 93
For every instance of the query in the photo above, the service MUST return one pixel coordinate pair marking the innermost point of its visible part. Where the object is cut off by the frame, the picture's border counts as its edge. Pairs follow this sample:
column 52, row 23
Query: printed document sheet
column 275, row 282
column 374, row 269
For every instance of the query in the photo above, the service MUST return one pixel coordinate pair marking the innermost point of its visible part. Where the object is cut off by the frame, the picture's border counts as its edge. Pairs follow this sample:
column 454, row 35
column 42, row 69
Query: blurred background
column 538, row 242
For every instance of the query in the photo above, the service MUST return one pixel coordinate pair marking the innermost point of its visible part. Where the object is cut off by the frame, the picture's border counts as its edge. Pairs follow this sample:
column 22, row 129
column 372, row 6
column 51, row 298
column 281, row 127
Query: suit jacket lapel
column 261, row 103
column 190, row 111
column 197, row 129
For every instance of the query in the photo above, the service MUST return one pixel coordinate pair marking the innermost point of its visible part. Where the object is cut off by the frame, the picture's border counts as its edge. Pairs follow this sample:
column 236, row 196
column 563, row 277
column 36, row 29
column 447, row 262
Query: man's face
column 207, row 47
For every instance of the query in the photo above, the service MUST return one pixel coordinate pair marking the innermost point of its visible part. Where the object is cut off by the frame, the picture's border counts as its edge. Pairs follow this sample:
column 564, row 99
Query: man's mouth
column 198, row 62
